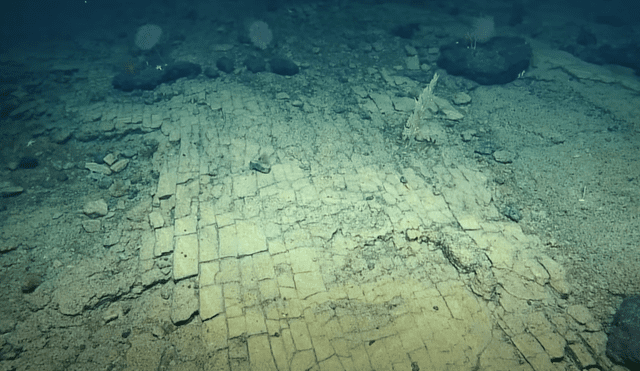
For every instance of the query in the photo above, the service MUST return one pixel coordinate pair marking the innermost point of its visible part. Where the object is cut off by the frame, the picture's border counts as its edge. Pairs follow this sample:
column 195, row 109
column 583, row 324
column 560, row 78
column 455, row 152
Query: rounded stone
column 96, row 209
column 461, row 98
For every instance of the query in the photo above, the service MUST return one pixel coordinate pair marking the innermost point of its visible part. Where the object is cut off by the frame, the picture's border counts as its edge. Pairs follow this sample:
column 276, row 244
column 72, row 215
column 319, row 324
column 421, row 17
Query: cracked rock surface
column 260, row 222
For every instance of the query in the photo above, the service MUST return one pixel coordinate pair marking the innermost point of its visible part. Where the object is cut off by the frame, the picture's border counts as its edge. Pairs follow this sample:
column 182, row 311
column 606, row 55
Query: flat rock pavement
column 336, row 262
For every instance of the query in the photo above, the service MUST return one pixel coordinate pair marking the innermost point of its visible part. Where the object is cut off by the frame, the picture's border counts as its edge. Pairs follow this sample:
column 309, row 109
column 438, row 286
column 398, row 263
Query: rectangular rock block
column 331, row 364
column 269, row 289
column 185, row 257
column 322, row 347
column 185, row 193
column 186, row 225
column 208, row 238
column 237, row 326
column 189, row 158
column 385, row 352
column 211, row 301
column 309, row 283
column 255, row 321
column 302, row 260
column 260, row 353
column 207, row 214
column 215, row 335
column 583, row 356
column 148, row 245
column 263, row 266
column 208, row 272
column 468, row 222
column 229, row 271
column 360, row 358
column 164, row 241
column 533, row 352
column 250, row 238
column 282, row 349
column 300, row 334
column 554, row 344
column 245, row 186
column 167, row 182
column 228, row 241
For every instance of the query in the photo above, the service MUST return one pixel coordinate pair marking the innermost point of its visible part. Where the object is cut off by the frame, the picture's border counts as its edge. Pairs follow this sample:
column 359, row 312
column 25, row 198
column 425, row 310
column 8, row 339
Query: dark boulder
column 255, row 64
column 497, row 61
column 225, row 64
column 283, row 66
column 627, row 55
column 623, row 346
column 28, row 162
column 153, row 76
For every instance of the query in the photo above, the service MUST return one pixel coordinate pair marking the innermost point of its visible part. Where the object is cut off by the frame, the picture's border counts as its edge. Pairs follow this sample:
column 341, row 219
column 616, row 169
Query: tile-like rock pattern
column 347, row 267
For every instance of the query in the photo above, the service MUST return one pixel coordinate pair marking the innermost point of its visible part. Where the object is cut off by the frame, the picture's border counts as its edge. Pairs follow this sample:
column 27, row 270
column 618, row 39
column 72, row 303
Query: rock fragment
column 96, row 209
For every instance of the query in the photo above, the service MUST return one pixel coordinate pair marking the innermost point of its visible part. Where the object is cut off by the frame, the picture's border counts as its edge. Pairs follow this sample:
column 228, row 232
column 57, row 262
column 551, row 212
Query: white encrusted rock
column 156, row 220
column 98, row 168
column 461, row 98
column 118, row 166
column 96, row 209
column 109, row 159
column 447, row 109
